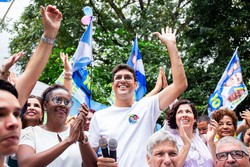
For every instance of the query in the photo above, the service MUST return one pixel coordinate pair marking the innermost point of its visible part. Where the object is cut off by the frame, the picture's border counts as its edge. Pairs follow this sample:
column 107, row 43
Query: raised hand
column 167, row 35
column 212, row 129
column 66, row 64
column 184, row 137
column 245, row 115
column 75, row 129
column 11, row 61
column 51, row 18
column 163, row 77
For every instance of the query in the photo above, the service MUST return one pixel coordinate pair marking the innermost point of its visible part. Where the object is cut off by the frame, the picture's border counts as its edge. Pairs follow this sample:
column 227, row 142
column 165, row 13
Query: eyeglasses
column 58, row 100
column 126, row 77
column 238, row 154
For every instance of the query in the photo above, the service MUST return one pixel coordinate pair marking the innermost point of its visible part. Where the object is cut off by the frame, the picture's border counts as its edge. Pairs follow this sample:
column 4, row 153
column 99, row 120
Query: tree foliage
column 208, row 32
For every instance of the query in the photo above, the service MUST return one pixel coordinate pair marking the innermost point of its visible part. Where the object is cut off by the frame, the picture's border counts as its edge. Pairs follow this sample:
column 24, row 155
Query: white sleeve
column 27, row 137
column 94, row 132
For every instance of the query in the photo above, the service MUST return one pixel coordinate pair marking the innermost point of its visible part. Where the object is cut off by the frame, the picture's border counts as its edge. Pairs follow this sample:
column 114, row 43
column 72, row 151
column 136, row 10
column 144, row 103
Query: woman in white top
column 54, row 143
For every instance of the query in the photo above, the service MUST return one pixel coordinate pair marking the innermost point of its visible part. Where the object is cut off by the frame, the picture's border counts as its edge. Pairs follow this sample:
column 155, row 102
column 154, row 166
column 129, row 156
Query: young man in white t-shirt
column 130, row 122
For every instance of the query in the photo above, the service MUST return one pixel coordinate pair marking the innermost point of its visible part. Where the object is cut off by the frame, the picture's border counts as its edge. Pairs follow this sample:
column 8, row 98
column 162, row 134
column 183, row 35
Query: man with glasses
column 131, row 123
column 231, row 152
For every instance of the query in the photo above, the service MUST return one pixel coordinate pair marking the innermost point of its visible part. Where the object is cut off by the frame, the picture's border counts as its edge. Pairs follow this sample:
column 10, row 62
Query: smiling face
column 34, row 110
column 230, row 161
column 185, row 115
column 124, row 84
column 164, row 154
column 10, row 123
column 57, row 111
column 225, row 127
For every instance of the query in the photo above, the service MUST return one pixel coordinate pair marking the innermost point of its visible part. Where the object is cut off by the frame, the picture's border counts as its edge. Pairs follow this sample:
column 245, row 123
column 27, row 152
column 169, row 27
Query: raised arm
column 171, row 92
column 67, row 82
column 4, row 71
column 51, row 18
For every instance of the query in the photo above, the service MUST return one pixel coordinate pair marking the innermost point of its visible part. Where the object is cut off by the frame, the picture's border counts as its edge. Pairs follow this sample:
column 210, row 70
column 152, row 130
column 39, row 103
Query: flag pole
column 7, row 11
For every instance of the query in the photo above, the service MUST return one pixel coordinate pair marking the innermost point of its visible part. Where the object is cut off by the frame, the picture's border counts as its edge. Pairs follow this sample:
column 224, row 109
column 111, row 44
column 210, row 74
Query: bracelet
column 48, row 40
column 68, row 78
column 67, row 73
column 5, row 74
column 85, row 140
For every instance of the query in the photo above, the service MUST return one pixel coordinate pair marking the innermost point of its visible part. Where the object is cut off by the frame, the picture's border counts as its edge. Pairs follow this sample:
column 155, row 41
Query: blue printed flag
column 231, row 90
column 83, row 57
column 5, row 0
column 135, row 61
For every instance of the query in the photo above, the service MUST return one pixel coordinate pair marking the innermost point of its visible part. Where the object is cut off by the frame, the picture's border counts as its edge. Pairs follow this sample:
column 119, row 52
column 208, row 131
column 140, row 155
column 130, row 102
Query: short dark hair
column 47, row 92
column 171, row 114
column 7, row 86
column 120, row 67
column 203, row 118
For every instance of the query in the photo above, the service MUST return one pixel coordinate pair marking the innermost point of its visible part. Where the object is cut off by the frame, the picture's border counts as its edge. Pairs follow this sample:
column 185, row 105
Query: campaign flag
column 231, row 90
column 135, row 61
column 83, row 57
column 5, row 0
column 81, row 92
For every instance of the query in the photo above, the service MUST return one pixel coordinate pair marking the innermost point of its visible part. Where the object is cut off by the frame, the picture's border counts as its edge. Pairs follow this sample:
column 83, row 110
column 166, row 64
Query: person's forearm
column 34, row 68
column 240, row 128
column 183, row 154
column 67, row 82
column 178, row 73
column 212, row 149
column 88, row 154
column 43, row 158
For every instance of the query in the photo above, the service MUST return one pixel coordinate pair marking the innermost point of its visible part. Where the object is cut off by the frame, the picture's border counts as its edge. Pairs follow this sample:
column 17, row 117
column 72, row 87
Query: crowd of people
column 185, row 139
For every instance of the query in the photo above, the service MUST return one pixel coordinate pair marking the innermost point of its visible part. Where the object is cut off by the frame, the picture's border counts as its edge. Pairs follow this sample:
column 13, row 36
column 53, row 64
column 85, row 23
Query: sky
column 14, row 13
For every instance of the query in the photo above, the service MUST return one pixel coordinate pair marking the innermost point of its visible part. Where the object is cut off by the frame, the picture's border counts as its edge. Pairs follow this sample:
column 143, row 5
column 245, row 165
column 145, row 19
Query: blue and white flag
column 5, row 0
column 231, row 90
column 135, row 61
column 83, row 57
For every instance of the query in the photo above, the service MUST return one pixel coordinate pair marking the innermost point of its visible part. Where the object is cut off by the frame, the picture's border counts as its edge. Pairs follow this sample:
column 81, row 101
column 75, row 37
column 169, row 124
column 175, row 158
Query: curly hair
column 46, row 94
column 220, row 113
column 171, row 114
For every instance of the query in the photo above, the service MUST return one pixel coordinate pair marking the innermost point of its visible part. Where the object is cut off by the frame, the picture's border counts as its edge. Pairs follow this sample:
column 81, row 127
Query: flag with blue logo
column 135, row 61
column 5, row 0
column 231, row 90
column 83, row 57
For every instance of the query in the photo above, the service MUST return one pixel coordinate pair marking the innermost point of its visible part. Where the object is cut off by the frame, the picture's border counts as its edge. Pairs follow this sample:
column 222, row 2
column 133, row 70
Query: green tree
column 208, row 32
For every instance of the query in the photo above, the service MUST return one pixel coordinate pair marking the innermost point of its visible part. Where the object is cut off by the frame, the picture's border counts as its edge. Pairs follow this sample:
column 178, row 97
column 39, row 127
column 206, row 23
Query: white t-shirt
column 130, row 126
column 42, row 140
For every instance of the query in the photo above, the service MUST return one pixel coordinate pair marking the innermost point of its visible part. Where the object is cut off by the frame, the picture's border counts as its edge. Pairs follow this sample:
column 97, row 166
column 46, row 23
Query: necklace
column 57, row 133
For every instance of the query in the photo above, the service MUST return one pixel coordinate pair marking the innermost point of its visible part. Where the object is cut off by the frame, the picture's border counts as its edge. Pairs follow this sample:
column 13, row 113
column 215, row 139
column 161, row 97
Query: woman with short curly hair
column 227, row 122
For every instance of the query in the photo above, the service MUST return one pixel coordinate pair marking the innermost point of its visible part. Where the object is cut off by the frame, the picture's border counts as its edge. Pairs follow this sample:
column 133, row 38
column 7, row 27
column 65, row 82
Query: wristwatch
column 85, row 140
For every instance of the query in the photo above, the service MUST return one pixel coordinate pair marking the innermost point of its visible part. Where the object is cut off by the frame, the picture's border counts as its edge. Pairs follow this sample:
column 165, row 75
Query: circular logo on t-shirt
column 133, row 118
